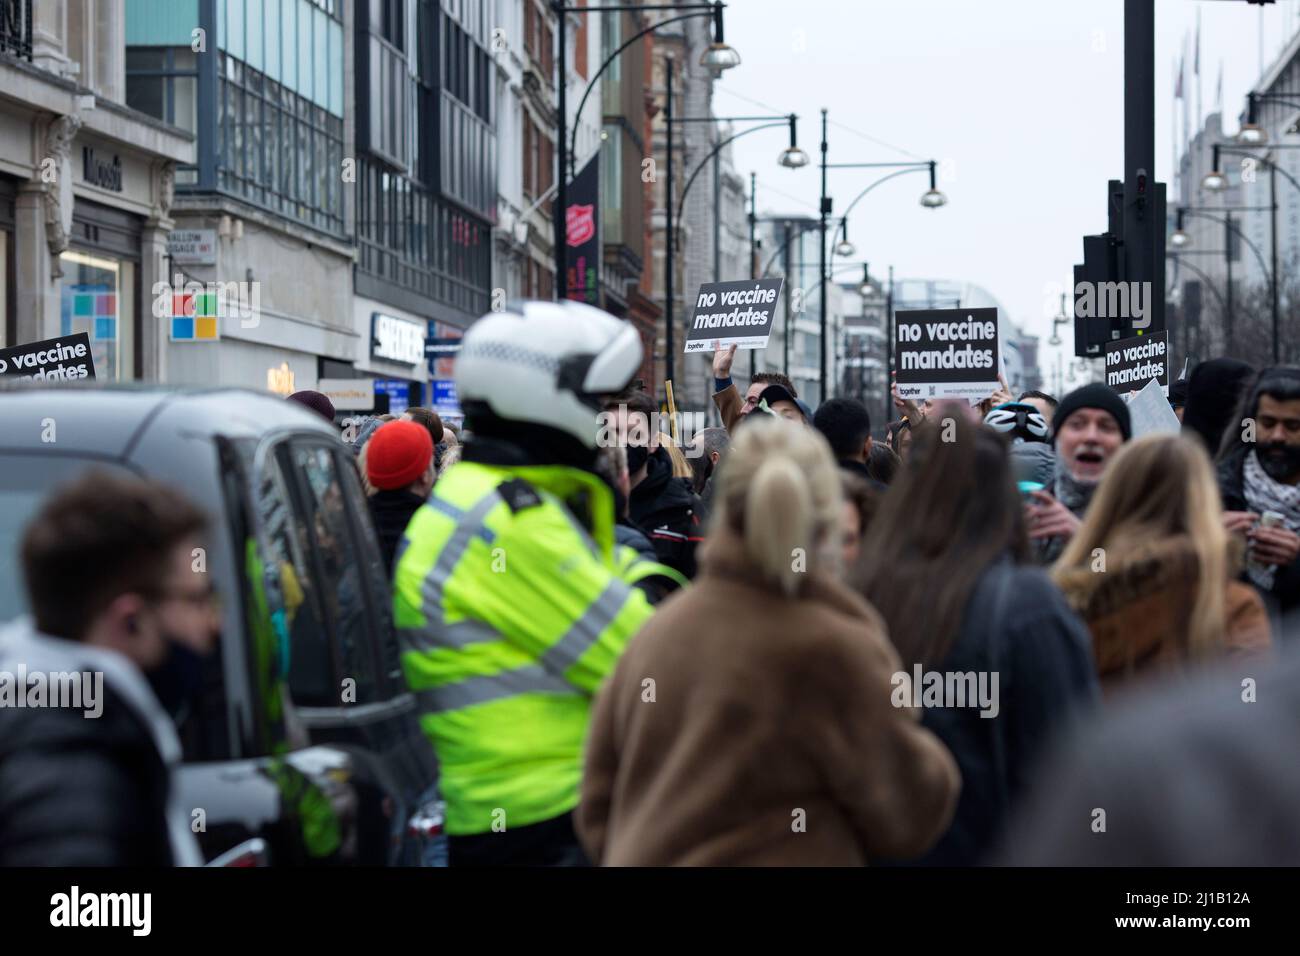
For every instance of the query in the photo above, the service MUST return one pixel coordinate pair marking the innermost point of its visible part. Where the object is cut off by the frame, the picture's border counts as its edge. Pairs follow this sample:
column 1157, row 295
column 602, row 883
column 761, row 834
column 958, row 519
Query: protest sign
column 1149, row 412
column 946, row 353
column 733, row 313
column 1132, row 363
column 50, row 360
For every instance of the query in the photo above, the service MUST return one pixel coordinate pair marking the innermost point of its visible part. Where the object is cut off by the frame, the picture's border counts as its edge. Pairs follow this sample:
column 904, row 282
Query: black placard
column 733, row 313
column 946, row 353
column 64, row 359
column 1131, row 363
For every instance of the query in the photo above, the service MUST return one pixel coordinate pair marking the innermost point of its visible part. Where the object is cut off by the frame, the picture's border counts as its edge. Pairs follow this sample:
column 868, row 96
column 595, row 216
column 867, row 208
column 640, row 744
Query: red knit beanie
column 397, row 454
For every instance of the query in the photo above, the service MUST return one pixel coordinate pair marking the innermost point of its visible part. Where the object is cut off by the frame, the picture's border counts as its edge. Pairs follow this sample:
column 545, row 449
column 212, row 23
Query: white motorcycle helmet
column 546, row 363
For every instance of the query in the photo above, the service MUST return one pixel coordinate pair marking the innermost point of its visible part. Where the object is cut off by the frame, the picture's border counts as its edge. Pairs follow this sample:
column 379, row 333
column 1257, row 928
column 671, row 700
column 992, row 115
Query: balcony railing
column 16, row 28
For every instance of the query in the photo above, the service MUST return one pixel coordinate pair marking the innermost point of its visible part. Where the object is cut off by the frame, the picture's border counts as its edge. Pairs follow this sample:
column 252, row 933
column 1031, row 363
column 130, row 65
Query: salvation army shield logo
column 580, row 223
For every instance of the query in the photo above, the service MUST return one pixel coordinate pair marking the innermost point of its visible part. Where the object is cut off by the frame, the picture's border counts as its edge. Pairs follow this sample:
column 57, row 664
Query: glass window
column 293, row 594
column 97, row 297
column 339, row 555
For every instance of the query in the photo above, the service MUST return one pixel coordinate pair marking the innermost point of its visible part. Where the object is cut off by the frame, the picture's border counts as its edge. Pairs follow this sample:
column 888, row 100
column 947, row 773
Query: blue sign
column 398, row 391
column 445, row 401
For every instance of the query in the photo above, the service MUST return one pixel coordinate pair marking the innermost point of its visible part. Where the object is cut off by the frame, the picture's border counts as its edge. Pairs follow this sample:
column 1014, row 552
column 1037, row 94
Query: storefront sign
column 445, row 402
column 349, row 394
column 51, row 360
column 398, row 340
column 100, row 171
column 398, row 392
column 193, row 247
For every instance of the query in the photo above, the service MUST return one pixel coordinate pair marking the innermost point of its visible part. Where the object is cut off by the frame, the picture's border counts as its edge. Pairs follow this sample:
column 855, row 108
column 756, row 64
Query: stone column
column 153, row 272
column 37, row 294
column 49, row 34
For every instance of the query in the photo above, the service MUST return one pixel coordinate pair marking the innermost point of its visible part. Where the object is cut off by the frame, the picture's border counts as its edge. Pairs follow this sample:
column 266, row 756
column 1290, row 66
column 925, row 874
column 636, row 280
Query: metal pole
column 668, row 241
column 753, row 256
column 821, row 276
column 561, row 161
column 717, row 217
column 1227, row 257
column 1272, row 194
column 785, row 335
column 889, row 342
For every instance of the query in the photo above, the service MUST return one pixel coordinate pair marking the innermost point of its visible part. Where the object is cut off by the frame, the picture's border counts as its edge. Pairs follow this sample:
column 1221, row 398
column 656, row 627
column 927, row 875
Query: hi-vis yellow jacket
column 510, row 615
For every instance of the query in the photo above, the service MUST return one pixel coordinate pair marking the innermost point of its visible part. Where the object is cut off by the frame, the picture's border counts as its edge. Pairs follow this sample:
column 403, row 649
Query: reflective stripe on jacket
column 510, row 615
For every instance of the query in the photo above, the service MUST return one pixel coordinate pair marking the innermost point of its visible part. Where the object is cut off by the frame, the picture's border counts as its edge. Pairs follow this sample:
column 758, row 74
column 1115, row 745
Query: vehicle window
column 337, row 550
column 25, row 482
column 295, row 596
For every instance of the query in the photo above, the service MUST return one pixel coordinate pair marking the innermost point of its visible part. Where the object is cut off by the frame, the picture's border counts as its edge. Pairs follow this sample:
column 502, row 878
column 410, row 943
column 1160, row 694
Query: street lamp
column 1216, row 181
column 845, row 249
column 789, row 119
column 716, row 58
column 1251, row 133
column 932, row 199
column 865, row 289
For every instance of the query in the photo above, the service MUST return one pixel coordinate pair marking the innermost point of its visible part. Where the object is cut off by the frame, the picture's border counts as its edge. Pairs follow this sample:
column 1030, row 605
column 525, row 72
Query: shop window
column 98, row 298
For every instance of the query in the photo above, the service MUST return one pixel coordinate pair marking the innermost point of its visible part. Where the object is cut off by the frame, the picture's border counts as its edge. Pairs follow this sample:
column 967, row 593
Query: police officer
column 508, row 598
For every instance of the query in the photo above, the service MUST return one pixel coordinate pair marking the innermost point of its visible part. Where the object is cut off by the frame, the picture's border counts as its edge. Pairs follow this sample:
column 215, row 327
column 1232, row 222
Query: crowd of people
column 795, row 639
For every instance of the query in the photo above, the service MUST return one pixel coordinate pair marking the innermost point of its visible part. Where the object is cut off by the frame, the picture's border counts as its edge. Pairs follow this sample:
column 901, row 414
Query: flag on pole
column 1218, row 90
column 1178, row 81
column 1196, row 55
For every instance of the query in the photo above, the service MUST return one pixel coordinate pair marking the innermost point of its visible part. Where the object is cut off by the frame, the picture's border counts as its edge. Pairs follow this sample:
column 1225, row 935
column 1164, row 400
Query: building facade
column 86, row 187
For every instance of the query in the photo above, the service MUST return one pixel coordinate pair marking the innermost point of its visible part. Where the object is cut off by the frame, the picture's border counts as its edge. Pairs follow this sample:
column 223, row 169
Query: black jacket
column 1016, row 624
column 392, row 511
column 854, row 467
column 1284, row 597
column 77, row 790
column 670, row 512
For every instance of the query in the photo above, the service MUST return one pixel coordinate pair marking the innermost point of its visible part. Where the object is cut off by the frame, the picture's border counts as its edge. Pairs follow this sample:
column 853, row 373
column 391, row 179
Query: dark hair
column 636, row 400
column 1035, row 393
column 95, row 539
column 846, row 424
column 429, row 419
column 883, row 463
column 953, row 510
column 861, row 495
column 710, row 440
column 774, row 378
column 1278, row 382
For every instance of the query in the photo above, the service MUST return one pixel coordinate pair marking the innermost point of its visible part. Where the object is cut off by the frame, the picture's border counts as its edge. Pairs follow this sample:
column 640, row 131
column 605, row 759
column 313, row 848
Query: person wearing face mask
column 117, row 606
column 665, row 506
column 1262, row 477
column 1088, row 428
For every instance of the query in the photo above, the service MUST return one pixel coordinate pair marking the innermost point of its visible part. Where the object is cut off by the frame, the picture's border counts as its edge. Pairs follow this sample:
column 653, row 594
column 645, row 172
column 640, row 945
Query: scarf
column 1070, row 491
column 1265, row 494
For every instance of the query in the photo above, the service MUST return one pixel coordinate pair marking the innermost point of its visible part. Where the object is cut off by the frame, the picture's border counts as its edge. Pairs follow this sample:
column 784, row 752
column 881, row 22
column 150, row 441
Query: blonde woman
column 771, row 737
column 1151, row 570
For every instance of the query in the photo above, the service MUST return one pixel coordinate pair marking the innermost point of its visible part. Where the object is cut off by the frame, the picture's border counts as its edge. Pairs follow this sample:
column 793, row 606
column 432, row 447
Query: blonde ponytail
column 779, row 521
column 780, row 489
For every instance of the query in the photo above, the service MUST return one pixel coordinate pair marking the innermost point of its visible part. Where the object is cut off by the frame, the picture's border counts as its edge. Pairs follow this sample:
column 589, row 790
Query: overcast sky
column 1021, row 99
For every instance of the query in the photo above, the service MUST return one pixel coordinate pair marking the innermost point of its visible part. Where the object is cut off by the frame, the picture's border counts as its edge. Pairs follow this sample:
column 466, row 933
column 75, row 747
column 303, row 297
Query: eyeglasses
column 206, row 599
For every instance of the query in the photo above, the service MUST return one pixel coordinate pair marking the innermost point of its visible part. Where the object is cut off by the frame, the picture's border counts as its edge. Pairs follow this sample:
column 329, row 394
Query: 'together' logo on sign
column 195, row 308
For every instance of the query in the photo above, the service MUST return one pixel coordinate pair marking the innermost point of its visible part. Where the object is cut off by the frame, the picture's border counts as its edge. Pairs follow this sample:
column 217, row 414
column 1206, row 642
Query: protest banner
column 64, row 359
column 946, row 353
column 1132, row 363
column 733, row 313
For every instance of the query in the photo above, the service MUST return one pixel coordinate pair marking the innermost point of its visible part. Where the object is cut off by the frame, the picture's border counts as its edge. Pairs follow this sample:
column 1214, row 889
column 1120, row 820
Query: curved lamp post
column 1216, row 181
column 792, row 157
column 716, row 58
